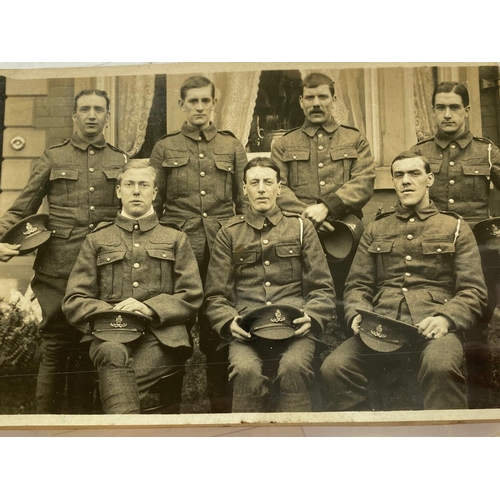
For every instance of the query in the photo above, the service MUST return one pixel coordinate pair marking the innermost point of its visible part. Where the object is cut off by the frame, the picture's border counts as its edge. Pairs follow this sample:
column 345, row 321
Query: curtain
column 423, row 87
column 135, row 97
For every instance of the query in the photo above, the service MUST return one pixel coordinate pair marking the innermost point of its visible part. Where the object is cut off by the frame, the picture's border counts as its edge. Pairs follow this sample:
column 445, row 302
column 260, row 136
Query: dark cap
column 339, row 244
column 384, row 334
column 271, row 322
column 30, row 233
column 117, row 326
column 487, row 233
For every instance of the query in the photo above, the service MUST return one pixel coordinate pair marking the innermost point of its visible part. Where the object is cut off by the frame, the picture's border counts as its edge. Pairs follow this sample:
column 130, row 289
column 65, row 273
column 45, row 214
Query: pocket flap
column 437, row 247
column 381, row 246
column 60, row 230
column 288, row 250
column 161, row 253
column 439, row 296
column 111, row 173
column 175, row 161
column 110, row 257
column 435, row 164
column 343, row 153
column 476, row 169
column 244, row 257
column 227, row 166
column 64, row 173
column 296, row 155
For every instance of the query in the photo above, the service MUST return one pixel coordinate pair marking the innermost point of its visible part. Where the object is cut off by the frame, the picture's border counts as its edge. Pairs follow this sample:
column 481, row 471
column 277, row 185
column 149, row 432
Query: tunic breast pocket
column 298, row 173
column 224, row 172
column 438, row 258
column 63, row 187
column 110, row 274
column 289, row 261
column 477, row 173
column 160, row 270
column 109, row 186
column 342, row 158
column 245, row 266
column 176, row 184
column 381, row 251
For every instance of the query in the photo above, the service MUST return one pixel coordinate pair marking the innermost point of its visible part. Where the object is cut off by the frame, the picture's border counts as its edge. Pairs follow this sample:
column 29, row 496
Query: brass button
column 91, row 169
column 175, row 163
column 268, row 303
column 201, row 155
column 63, row 173
column 241, row 259
column 408, row 257
column 404, row 289
column 265, row 242
column 320, row 165
column 451, row 201
column 205, row 214
column 291, row 251
column 294, row 157
column 452, row 182
column 345, row 155
column 136, row 245
column 135, row 284
column 409, row 236
column 267, row 263
column 107, row 259
column 163, row 254
column 452, row 163
column 453, row 146
column 378, row 249
column 92, row 208
column 91, row 189
column 322, row 183
column 412, row 219
column 321, row 148
column 202, row 174
column 476, row 171
column 137, row 265
column 320, row 135
column 439, row 250
column 92, row 152
column 203, row 193
column 407, row 275
column 91, row 226
column 268, row 283
column 136, row 226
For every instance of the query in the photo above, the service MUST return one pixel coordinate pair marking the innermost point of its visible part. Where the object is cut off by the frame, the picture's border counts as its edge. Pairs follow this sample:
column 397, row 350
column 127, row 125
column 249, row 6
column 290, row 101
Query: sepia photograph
column 249, row 243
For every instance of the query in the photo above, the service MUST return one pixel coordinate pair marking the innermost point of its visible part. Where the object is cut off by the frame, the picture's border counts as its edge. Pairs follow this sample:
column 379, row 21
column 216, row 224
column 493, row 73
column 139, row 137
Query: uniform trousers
column 347, row 370
column 63, row 359
column 260, row 366
column 128, row 371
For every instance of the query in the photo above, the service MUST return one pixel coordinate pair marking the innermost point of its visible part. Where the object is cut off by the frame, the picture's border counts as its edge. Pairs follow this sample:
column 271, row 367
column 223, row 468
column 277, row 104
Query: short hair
column 261, row 161
column 455, row 87
column 196, row 82
column 314, row 80
column 408, row 155
column 100, row 93
column 137, row 163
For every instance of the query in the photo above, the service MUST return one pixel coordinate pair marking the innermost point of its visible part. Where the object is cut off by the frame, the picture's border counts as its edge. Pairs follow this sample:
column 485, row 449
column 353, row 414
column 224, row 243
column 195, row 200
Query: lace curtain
column 423, row 87
column 134, row 99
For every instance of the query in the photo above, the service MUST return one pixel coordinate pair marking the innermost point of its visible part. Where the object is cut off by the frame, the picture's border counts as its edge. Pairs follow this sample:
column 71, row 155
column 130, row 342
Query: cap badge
column 118, row 322
column 278, row 317
column 379, row 332
column 495, row 231
column 30, row 229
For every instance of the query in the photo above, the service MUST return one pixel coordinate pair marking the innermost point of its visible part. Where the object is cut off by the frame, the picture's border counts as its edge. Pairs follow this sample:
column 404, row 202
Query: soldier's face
column 317, row 104
column 411, row 182
column 198, row 106
column 450, row 113
column 91, row 116
column 262, row 189
column 137, row 191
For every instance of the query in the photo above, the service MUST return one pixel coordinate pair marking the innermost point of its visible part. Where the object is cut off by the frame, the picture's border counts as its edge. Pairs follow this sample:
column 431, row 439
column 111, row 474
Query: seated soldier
column 134, row 269
column 421, row 267
column 269, row 266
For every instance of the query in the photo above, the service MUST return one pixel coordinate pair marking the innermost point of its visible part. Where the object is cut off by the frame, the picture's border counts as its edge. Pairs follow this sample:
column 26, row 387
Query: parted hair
column 314, row 80
column 261, row 161
column 137, row 163
column 455, row 87
column 406, row 155
column 100, row 93
column 196, row 82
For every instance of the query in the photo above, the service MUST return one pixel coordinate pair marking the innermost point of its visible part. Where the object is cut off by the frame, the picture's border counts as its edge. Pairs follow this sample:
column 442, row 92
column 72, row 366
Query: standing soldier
column 463, row 166
column 78, row 177
column 202, row 171
column 327, row 169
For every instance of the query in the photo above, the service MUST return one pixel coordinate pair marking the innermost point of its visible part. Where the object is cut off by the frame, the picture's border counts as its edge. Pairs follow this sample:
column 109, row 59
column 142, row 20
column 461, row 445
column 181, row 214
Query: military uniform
column 154, row 264
column 463, row 168
column 327, row 163
column 78, row 180
column 258, row 261
column 411, row 265
column 201, row 188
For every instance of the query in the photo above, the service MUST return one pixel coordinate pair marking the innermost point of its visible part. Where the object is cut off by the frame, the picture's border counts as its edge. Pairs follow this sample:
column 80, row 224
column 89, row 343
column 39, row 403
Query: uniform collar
column 312, row 128
column 145, row 224
column 80, row 143
column 194, row 133
column 257, row 220
column 422, row 214
column 462, row 140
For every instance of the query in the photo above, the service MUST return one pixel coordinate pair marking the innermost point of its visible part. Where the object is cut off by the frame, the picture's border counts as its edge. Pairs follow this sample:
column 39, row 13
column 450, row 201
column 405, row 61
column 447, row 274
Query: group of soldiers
column 204, row 236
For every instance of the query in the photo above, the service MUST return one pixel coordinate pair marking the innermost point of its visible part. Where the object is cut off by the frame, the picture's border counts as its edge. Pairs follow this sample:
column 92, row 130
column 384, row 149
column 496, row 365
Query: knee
column 440, row 363
column 109, row 354
column 333, row 366
column 295, row 367
column 245, row 369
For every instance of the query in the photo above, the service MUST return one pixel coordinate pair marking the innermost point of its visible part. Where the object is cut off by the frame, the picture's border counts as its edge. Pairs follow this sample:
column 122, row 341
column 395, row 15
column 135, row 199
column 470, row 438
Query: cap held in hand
column 30, row 233
column 117, row 326
column 271, row 322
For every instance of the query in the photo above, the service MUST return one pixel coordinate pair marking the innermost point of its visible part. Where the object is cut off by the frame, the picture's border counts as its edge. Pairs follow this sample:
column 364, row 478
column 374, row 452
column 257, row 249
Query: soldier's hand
column 7, row 251
column 316, row 214
column 326, row 227
column 133, row 305
column 355, row 324
column 237, row 332
column 303, row 325
column 434, row 327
